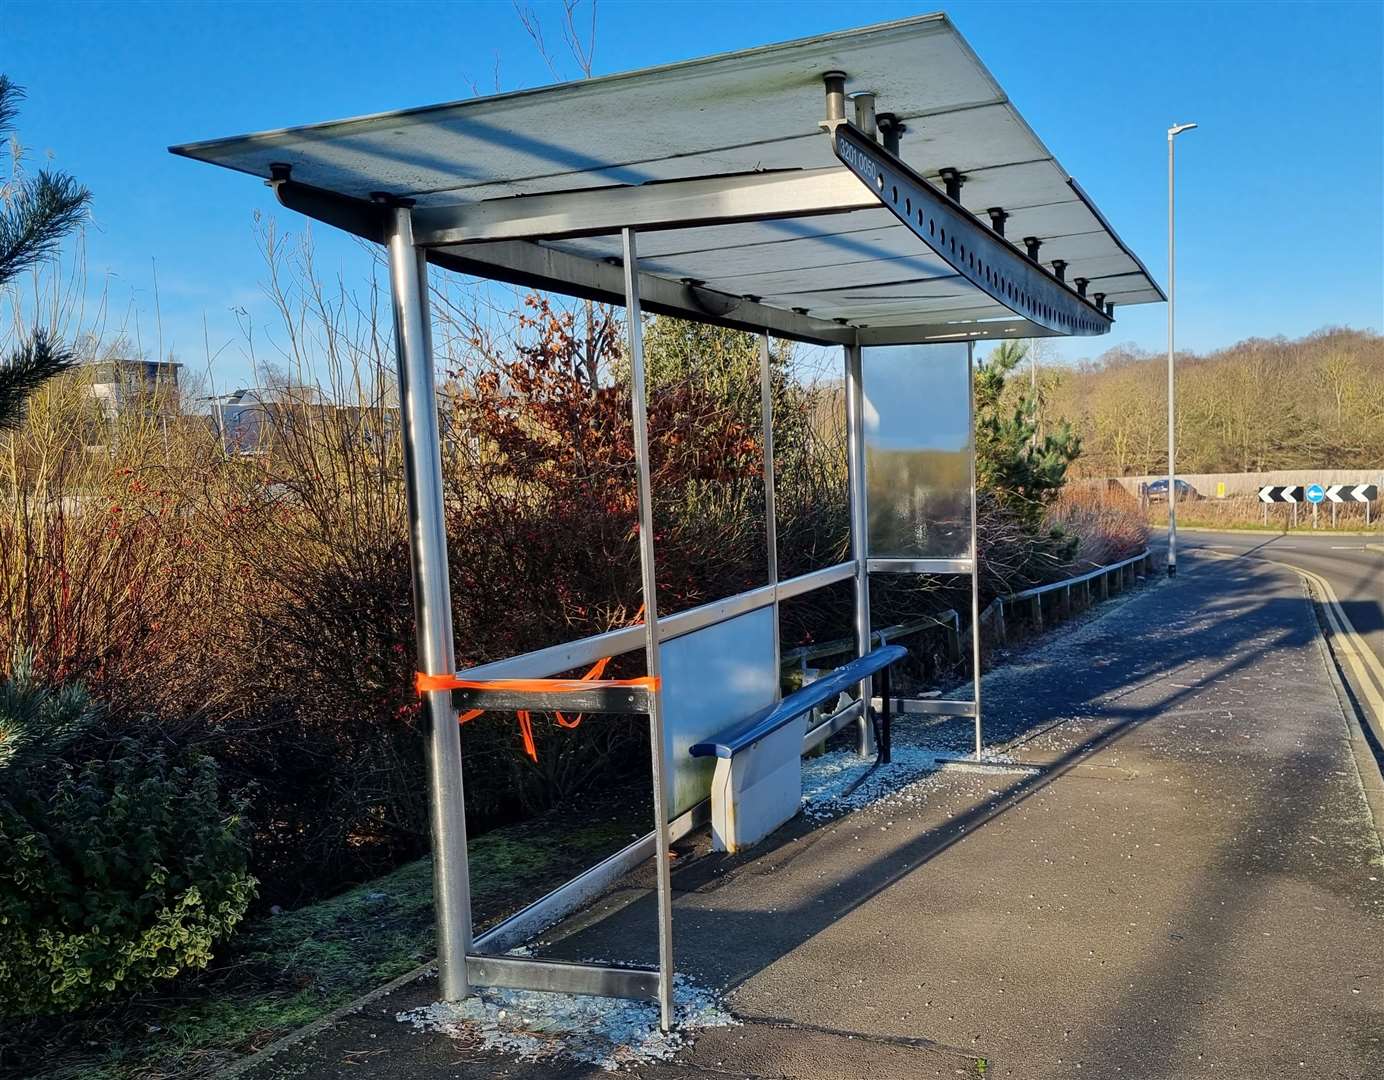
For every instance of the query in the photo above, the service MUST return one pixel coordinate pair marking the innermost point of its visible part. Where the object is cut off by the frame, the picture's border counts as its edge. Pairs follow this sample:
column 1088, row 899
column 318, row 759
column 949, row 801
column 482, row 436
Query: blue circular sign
column 1315, row 494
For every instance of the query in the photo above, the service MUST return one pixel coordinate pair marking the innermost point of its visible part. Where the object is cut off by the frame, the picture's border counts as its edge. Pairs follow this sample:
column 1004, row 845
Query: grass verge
column 285, row 970
column 1245, row 515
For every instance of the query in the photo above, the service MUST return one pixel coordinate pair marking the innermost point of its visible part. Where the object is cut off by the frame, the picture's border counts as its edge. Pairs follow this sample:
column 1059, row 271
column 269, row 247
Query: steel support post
column 639, row 408
column 766, row 408
column 855, row 479
column 432, row 600
column 975, row 546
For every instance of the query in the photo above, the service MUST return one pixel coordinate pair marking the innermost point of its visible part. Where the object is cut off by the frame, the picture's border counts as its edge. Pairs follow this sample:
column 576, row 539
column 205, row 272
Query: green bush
column 119, row 862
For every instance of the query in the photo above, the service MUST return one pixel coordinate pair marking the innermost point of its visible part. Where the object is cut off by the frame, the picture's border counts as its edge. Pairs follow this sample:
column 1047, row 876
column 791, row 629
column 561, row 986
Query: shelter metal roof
column 529, row 186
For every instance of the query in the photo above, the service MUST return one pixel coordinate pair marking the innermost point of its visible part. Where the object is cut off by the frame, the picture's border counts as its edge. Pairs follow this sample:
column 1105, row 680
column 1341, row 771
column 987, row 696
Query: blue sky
column 1281, row 211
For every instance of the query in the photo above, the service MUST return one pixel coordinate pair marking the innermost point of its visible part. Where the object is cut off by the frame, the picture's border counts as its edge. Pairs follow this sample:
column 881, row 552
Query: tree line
column 1260, row 404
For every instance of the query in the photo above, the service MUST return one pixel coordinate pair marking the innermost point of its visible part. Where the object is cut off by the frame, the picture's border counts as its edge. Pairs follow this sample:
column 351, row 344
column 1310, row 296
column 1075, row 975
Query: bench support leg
column 757, row 790
column 885, row 719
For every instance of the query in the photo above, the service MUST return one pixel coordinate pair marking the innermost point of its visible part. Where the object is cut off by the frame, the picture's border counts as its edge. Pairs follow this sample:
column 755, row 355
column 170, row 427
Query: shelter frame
column 461, row 968
column 977, row 285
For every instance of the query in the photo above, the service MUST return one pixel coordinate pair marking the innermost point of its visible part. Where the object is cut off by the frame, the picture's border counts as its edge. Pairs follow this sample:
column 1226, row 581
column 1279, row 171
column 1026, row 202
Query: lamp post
column 1173, row 133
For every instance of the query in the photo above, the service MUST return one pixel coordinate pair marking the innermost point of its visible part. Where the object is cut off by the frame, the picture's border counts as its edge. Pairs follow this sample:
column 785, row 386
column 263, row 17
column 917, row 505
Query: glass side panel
column 918, row 447
column 712, row 679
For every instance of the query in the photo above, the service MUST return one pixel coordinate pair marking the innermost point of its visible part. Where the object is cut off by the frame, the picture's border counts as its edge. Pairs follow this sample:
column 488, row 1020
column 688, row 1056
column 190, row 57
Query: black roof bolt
column 1081, row 284
column 1033, row 244
column 890, row 128
column 997, row 219
column 1059, row 267
column 953, row 181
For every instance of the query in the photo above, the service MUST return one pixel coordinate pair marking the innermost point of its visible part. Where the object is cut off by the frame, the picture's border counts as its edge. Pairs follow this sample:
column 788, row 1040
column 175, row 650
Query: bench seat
column 728, row 743
column 757, row 785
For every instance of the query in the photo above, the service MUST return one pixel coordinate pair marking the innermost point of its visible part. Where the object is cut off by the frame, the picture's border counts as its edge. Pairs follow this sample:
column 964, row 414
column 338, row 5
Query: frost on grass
column 608, row 1033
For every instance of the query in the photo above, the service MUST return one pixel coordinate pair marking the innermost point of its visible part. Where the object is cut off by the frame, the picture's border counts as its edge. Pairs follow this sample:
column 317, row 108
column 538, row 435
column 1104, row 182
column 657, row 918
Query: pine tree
column 1022, row 471
column 36, row 212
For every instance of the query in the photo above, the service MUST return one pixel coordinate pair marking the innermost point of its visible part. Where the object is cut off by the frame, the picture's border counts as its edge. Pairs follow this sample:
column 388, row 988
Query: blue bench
column 757, row 785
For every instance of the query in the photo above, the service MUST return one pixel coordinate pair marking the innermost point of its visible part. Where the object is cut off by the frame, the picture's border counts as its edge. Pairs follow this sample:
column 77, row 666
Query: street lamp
column 1173, row 132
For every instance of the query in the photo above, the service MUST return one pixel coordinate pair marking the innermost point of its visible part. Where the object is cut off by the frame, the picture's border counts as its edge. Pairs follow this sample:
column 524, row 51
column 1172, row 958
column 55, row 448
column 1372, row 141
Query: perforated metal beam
column 973, row 250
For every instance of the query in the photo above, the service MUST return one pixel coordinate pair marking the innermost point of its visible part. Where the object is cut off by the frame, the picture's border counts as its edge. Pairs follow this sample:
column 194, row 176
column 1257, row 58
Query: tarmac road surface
column 1354, row 568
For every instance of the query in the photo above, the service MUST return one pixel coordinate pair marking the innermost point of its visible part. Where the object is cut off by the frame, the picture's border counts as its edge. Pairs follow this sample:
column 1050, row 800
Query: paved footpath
column 1191, row 885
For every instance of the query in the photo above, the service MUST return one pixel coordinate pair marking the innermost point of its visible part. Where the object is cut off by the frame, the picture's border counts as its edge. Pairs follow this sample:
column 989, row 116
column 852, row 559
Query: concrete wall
column 1250, row 483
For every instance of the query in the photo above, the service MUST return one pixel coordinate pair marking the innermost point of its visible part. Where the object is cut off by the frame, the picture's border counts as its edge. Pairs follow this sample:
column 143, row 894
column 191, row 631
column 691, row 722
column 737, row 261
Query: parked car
column 1157, row 491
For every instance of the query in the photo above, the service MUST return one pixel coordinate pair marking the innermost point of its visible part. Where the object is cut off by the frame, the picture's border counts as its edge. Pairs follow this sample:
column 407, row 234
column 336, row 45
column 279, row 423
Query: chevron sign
column 1352, row 493
column 1337, row 493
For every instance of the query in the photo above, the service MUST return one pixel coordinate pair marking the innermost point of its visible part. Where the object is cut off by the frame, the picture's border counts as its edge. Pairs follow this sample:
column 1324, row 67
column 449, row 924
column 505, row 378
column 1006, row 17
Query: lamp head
column 1178, row 129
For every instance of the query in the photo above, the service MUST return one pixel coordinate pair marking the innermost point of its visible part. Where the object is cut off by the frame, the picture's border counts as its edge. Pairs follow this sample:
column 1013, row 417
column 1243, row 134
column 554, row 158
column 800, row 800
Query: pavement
column 1190, row 884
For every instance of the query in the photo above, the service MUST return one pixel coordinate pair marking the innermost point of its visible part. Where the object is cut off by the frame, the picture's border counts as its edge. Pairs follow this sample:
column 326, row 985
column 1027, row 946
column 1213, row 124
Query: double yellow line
column 1345, row 641
column 1348, row 644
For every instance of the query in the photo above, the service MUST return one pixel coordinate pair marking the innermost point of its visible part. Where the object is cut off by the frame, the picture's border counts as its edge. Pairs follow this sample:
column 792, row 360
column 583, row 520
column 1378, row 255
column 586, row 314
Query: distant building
column 246, row 418
column 122, row 385
column 255, row 420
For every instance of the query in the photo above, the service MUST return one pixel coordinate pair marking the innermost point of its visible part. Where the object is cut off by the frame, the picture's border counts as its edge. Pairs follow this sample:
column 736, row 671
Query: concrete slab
column 1190, row 885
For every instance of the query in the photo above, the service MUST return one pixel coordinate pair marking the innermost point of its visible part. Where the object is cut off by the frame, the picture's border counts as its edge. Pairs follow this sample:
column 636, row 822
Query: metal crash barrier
column 717, row 191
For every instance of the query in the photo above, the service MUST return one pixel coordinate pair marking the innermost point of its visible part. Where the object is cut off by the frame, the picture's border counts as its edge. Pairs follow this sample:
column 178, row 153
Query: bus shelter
column 873, row 190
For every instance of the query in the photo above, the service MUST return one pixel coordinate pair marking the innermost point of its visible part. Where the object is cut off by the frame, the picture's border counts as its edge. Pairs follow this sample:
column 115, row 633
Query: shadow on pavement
column 727, row 946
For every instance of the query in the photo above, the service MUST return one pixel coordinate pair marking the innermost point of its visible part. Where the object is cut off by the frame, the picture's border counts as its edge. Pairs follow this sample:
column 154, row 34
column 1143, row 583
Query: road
column 1352, row 565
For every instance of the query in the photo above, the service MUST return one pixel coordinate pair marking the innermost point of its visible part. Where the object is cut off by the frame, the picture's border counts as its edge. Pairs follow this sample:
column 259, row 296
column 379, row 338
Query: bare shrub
column 1105, row 519
column 255, row 599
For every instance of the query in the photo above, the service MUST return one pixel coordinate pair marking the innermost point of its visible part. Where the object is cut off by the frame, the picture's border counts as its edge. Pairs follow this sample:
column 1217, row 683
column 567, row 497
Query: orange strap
column 425, row 683
column 597, row 670
column 526, row 730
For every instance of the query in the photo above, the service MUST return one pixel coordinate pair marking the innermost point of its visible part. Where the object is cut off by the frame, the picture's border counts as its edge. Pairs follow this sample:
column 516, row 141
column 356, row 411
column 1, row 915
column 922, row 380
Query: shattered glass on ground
column 606, row 1032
